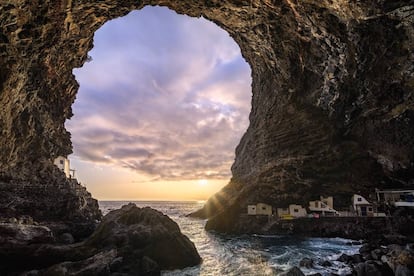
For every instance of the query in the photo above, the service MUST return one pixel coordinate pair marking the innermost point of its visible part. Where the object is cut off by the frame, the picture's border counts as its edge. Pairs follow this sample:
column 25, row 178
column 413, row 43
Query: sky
column 162, row 105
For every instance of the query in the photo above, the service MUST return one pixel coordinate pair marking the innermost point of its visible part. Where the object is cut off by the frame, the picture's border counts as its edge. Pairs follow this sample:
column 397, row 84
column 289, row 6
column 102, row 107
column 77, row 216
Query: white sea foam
column 247, row 254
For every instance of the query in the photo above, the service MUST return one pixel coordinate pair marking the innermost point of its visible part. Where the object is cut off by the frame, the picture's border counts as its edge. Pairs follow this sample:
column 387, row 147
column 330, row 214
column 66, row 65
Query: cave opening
column 322, row 120
column 163, row 101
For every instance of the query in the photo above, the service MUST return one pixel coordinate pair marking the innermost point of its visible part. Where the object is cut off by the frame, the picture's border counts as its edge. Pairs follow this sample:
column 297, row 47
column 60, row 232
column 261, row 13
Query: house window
column 370, row 209
column 263, row 208
column 359, row 199
column 296, row 210
column 61, row 162
column 316, row 204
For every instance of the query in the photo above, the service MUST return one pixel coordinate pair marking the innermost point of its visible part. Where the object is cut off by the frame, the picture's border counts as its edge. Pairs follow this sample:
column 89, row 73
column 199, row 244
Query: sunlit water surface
column 245, row 254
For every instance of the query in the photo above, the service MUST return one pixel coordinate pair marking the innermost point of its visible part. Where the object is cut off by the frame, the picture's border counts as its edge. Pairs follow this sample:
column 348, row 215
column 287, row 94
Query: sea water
column 245, row 254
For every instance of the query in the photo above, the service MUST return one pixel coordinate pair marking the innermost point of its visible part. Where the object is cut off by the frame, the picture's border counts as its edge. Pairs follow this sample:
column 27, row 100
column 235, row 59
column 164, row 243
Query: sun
column 202, row 182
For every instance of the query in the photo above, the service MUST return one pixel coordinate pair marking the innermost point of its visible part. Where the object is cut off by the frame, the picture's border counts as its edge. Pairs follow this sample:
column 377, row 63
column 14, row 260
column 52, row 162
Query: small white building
column 293, row 211
column 398, row 198
column 328, row 201
column 251, row 210
column 282, row 212
column 259, row 209
column 297, row 211
column 362, row 207
column 63, row 164
column 324, row 206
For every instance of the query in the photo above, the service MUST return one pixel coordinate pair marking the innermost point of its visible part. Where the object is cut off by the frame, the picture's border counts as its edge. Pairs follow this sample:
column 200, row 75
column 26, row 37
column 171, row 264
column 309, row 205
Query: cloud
column 166, row 95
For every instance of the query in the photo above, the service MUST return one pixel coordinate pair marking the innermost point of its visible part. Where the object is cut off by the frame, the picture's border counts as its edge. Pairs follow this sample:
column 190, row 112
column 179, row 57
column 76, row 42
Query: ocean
column 245, row 254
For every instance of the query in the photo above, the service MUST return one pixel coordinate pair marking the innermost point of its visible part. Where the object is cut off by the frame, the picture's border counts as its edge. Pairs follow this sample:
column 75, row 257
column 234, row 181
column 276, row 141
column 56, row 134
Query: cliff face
column 333, row 99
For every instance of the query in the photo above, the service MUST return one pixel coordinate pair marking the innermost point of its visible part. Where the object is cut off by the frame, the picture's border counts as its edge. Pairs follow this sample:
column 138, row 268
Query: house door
column 363, row 211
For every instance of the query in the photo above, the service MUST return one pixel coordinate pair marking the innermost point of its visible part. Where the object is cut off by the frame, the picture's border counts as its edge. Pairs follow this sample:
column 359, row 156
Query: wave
column 246, row 254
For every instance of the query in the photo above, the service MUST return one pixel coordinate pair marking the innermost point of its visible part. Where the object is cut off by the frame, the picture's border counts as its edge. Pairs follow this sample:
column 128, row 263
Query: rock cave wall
column 332, row 107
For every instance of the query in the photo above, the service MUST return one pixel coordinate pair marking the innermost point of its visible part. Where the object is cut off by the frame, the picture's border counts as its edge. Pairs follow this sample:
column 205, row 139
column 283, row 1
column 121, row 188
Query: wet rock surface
column 295, row 271
column 375, row 259
column 129, row 241
column 138, row 232
column 386, row 260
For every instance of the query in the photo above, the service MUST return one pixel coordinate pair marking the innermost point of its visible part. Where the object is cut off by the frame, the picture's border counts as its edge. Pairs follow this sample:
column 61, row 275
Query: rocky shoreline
column 387, row 247
column 372, row 259
column 357, row 228
column 128, row 241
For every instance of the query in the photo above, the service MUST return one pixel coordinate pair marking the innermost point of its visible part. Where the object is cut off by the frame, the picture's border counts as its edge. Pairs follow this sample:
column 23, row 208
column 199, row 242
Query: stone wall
column 394, row 229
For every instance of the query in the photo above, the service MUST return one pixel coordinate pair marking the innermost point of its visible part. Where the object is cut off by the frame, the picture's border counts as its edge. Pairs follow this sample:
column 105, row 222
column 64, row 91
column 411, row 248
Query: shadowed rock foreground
column 128, row 241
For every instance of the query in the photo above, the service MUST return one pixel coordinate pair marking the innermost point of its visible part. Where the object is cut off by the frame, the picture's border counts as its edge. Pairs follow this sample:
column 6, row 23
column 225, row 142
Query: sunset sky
column 161, row 108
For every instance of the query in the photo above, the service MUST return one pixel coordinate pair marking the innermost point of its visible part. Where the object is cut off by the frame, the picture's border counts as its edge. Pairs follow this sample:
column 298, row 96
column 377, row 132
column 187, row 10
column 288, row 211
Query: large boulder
column 138, row 232
column 129, row 241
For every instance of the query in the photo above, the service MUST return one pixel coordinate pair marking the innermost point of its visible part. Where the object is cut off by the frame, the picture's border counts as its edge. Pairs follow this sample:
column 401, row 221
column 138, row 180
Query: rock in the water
column 294, row 271
column 138, row 232
column 373, row 268
column 326, row 263
column 306, row 262
column 357, row 258
column 345, row 258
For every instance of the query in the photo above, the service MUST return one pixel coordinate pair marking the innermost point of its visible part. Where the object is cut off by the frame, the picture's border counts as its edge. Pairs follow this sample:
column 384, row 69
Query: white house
column 282, row 212
column 259, row 209
column 324, row 206
column 398, row 198
column 63, row 164
column 297, row 211
column 327, row 200
column 293, row 211
column 251, row 210
column 361, row 206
